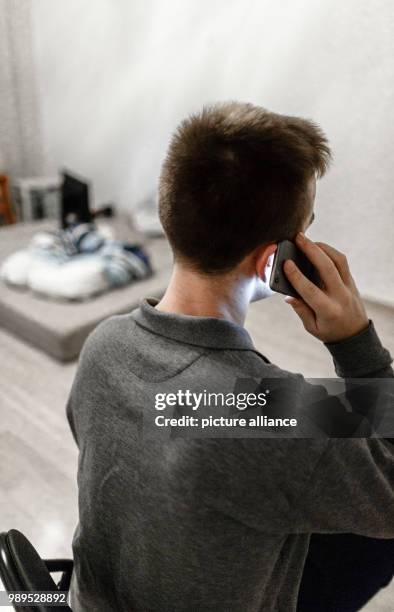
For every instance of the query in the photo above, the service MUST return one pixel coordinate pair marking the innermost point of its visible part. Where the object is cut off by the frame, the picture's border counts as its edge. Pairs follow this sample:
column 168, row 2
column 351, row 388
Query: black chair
column 22, row 569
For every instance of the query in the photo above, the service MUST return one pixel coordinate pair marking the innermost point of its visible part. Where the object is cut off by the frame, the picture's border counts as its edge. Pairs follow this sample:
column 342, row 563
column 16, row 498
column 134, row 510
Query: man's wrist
column 360, row 354
column 362, row 326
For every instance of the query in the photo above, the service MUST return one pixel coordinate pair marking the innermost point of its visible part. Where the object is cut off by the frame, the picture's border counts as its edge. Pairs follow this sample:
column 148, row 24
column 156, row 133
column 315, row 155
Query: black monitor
column 74, row 200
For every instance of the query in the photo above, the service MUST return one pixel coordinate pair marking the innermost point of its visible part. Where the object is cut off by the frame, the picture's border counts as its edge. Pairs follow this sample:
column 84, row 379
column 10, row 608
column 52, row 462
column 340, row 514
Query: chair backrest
column 22, row 569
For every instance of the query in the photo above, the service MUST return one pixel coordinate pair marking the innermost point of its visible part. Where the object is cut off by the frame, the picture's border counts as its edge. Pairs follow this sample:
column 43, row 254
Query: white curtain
column 20, row 134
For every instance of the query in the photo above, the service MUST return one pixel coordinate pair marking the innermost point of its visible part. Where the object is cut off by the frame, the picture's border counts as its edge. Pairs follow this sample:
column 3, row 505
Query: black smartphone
column 278, row 279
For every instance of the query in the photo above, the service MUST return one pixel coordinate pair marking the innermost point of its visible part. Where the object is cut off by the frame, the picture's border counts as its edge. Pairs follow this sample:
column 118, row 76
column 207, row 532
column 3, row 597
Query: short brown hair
column 235, row 177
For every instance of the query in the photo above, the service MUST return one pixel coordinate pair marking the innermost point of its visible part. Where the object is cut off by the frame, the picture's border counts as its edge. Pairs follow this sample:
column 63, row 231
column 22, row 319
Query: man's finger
column 322, row 262
column 339, row 260
column 305, row 313
column 309, row 292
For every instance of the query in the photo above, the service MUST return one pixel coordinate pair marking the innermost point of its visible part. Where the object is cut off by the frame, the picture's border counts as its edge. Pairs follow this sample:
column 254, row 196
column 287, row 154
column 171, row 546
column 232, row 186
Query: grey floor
column 38, row 457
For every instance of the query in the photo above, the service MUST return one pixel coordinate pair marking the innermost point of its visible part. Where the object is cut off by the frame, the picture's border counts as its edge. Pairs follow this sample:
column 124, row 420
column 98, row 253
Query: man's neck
column 221, row 296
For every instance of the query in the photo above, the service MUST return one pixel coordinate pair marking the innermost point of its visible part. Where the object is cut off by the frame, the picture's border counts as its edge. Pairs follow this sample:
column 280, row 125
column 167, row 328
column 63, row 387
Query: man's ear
column 264, row 258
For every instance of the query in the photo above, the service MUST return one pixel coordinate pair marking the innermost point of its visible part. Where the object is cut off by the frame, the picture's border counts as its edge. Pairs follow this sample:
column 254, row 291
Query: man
column 180, row 523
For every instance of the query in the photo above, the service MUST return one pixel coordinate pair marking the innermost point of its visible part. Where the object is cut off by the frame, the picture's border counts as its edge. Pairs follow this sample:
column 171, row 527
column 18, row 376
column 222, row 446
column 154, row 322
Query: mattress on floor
column 60, row 328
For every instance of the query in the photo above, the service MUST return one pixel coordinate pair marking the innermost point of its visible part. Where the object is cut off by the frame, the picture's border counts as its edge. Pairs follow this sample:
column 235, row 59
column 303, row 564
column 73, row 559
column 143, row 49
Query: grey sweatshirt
column 170, row 524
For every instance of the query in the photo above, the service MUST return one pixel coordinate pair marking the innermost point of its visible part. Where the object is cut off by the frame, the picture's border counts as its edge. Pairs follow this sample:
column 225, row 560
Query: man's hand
column 336, row 311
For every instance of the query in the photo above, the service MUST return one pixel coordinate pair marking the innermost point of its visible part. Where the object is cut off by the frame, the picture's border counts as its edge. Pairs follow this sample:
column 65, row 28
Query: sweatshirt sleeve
column 88, row 377
column 351, row 488
column 361, row 356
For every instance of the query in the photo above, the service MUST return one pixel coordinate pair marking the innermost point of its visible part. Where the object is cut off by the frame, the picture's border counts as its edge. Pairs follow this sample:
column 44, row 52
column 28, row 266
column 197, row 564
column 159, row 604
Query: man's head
column 237, row 178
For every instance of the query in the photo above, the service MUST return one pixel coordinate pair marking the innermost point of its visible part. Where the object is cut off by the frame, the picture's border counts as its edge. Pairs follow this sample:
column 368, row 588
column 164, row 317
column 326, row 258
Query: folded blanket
column 81, row 238
column 75, row 264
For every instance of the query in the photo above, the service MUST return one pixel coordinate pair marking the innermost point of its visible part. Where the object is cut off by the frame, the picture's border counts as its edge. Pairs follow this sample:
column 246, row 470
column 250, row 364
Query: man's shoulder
column 108, row 336
column 120, row 337
column 254, row 364
column 112, row 327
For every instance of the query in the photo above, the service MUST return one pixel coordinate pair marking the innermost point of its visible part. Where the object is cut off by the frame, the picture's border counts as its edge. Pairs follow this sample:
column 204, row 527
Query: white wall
column 115, row 76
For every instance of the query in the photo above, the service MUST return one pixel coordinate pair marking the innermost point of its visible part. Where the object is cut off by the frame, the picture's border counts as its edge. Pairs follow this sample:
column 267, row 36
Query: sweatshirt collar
column 209, row 332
